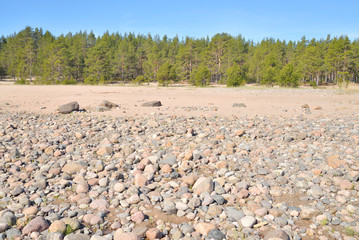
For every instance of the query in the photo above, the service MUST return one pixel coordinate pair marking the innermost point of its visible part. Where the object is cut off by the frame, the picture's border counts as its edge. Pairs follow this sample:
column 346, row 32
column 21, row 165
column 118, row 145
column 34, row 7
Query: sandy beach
column 182, row 101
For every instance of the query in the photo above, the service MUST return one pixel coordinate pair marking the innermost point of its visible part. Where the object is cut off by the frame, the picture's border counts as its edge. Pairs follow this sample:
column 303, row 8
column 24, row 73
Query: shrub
column 21, row 81
column 166, row 73
column 288, row 77
column 139, row 79
column 201, row 76
column 70, row 81
column 235, row 76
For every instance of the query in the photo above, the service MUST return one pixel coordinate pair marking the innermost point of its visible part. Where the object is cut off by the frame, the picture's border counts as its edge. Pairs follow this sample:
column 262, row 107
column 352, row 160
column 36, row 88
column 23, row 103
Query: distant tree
column 288, row 76
column 201, row 76
column 236, row 77
column 47, row 59
column 166, row 74
column 98, row 60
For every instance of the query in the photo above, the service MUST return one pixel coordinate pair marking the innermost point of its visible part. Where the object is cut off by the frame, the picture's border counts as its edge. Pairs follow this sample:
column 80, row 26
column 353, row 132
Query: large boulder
column 152, row 104
column 69, row 107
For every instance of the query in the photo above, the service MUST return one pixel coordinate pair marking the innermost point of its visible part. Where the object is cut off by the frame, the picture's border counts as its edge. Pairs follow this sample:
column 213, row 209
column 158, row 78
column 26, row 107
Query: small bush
column 201, row 76
column 235, row 76
column 288, row 77
column 21, row 82
column 70, row 81
column 313, row 84
column 68, row 230
column 139, row 79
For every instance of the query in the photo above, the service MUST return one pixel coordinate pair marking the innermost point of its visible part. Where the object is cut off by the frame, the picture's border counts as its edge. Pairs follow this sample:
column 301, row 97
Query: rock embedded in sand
column 101, row 109
column 152, row 104
column 108, row 104
column 69, row 107
column 239, row 105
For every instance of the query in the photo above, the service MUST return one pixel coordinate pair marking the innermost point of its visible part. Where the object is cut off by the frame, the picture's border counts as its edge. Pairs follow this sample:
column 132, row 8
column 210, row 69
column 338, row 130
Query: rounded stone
column 248, row 221
column 277, row 234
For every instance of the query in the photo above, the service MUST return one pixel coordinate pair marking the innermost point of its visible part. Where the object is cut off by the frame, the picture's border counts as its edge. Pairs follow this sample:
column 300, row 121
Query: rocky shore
column 85, row 177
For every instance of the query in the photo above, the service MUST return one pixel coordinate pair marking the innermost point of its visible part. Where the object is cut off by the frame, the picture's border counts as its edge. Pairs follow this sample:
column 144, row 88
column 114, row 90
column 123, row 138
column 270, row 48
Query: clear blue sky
column 254, row 19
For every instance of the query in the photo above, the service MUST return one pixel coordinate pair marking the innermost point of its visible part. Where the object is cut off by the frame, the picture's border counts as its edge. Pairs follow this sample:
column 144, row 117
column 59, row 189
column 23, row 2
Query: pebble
column 181, row 178
column 248, row 221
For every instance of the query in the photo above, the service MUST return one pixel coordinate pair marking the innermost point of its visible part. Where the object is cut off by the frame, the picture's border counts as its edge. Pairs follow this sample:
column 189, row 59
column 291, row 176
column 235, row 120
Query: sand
column 183, row 101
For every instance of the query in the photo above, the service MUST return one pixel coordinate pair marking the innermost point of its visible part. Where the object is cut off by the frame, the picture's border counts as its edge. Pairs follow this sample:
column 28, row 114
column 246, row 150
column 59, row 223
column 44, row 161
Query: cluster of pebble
column 79, row 176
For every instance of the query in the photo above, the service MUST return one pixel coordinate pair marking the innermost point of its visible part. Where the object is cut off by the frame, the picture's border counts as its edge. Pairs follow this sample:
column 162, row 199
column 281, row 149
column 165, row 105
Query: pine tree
column 201, row 76
column 288, row 76
column 236, row 76
column 166, row 74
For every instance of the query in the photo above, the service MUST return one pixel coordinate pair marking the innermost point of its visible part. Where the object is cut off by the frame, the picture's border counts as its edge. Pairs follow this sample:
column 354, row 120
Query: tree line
column 33, row 55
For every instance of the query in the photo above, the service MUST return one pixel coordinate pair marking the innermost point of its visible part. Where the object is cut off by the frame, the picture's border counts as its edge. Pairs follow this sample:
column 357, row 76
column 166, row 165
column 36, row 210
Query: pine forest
column 38, row 57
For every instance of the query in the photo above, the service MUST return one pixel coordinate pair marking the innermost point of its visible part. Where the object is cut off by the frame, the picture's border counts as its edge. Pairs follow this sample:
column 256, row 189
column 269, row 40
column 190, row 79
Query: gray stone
column 336, row 221
column 262, row 171
column 234, row 214
column 108, row 104
column 69, row 107
column 281, row 221
column 152, row 104
column 101, row 109
column 171, row 160
column 12, row 233
column 186, row 228
column 219, row 199
column 16, row 191
column 216, row 235
column 169, row 207
column 55, row 236
column 248, row 221
column 239, row 105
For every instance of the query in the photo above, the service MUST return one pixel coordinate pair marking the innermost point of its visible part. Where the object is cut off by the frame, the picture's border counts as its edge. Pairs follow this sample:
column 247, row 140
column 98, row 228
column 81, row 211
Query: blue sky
column 254, row 19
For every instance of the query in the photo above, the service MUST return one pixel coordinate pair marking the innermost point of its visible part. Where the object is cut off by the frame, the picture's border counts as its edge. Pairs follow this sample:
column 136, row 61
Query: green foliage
column 201, row 76
column 324, row 222
column 68, row 230
column 70, row 81
column 90, row 80
column 166, row 73
column 270, row 76
column 42, row 58
column 236, row 77
column 350, row 232
column 313, row 84
column 21, row 82
column 139, row 79
column 288, row 77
